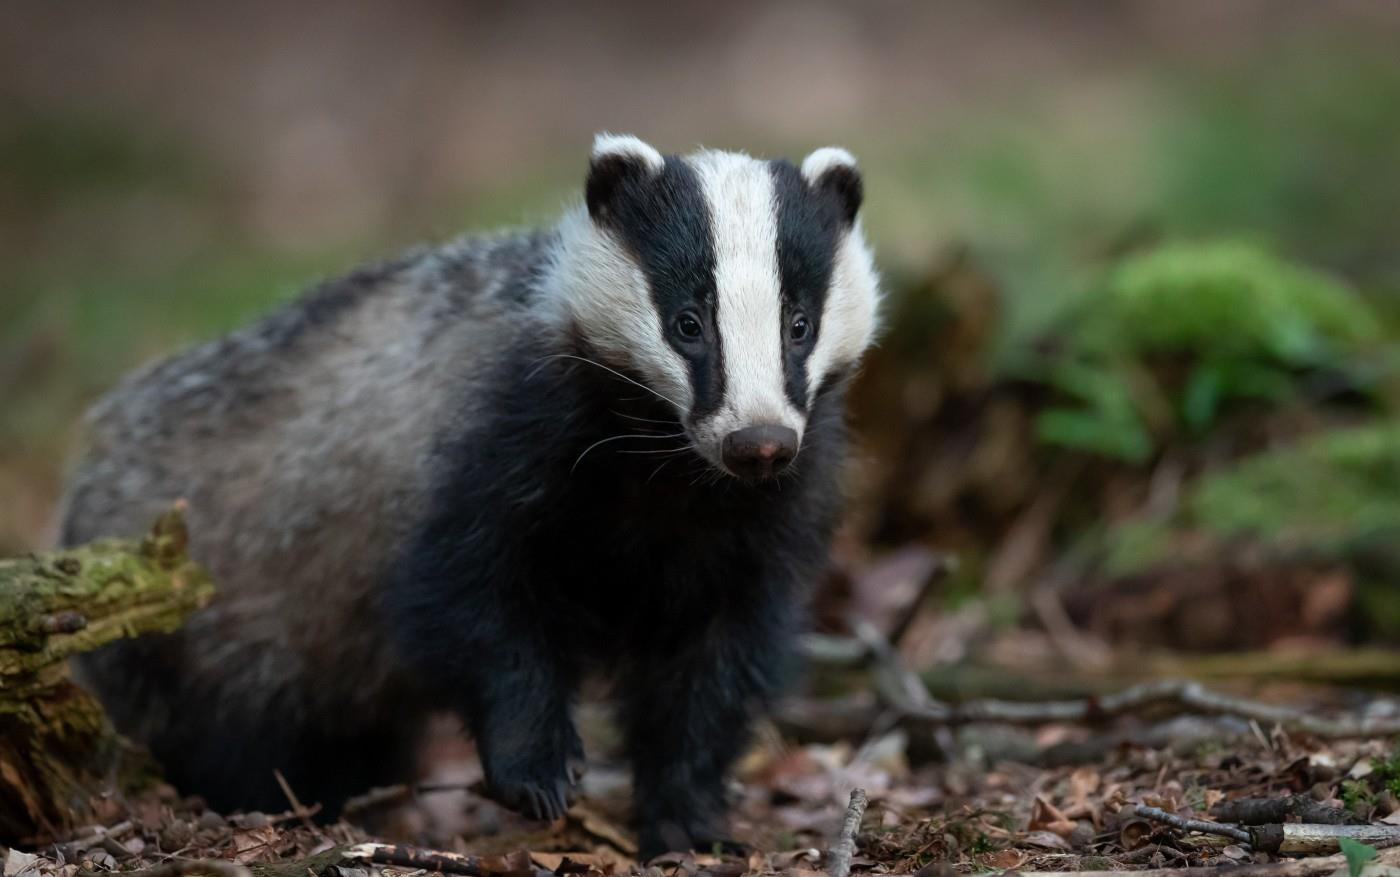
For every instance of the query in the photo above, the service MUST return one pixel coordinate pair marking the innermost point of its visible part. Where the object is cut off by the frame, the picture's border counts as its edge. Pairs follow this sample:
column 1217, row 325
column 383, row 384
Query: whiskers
column 635, row 435
column 612, row 371
column 670, row 422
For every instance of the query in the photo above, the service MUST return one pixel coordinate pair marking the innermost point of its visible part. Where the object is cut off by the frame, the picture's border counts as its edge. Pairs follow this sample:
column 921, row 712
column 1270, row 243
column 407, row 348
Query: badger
column 467, row 479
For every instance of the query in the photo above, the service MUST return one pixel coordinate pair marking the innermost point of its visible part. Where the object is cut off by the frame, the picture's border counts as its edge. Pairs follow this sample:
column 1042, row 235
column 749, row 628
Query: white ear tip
column 627, row 146
column 823, row 160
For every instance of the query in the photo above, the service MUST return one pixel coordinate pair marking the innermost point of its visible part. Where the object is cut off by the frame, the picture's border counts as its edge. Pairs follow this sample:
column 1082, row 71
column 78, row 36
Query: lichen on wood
column 58, row 752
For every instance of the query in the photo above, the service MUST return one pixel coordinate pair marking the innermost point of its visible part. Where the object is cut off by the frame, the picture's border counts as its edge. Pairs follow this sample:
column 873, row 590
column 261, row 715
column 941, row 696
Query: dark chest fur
column 610, row 550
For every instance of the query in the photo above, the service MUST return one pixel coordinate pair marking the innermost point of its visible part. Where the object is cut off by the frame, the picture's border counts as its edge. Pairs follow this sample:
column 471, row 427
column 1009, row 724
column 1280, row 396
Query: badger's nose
column 757, row 452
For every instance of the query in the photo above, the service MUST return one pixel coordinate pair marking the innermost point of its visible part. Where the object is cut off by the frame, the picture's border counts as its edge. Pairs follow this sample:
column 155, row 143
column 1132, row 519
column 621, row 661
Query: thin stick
column 185, row 868
column 1156, row 814
column 442, row 861
column 72, row 847
column 1316, row 867
column 845, row 846
column 383, row 795
column 297, row 807
column 905, row 692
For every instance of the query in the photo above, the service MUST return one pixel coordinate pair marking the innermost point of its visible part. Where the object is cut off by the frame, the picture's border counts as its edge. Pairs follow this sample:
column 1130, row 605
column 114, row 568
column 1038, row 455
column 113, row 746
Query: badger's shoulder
column 429, row 302
column 361, row 371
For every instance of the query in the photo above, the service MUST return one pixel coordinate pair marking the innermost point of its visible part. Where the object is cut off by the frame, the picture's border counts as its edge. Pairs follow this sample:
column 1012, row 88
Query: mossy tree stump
column 58, row 751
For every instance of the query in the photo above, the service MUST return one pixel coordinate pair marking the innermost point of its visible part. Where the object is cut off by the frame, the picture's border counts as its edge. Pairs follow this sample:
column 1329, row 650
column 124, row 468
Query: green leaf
column 1358, row 854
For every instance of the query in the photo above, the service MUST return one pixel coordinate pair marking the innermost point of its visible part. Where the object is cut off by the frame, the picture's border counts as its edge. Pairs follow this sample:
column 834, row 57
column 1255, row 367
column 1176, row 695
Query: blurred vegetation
column 1155, row 324
column 1180, row 332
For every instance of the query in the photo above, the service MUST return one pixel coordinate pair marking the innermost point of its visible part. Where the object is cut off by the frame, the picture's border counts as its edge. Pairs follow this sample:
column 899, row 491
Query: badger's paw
column 543, row 799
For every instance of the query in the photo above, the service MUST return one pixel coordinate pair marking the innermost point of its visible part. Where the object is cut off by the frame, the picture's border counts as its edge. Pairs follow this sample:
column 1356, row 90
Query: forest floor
column 1062, row 797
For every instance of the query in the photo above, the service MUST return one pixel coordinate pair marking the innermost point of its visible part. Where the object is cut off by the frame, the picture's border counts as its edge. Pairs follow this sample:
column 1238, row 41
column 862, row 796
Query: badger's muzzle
column 759, row 452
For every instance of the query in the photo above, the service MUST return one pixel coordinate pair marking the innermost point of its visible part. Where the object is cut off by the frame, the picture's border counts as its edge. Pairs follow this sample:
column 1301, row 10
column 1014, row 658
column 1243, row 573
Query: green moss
column 56, row 605
column 1179, row 332
column 1357, row 795
column 1334, row 494
column 1325, row 494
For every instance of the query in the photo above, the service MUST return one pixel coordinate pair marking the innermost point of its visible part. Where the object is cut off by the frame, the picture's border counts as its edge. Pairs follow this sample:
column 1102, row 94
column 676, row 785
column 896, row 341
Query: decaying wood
column 1271, row 811
column 839, row 859
column 1291, row 838
column 1296, row 838
column 57, row 749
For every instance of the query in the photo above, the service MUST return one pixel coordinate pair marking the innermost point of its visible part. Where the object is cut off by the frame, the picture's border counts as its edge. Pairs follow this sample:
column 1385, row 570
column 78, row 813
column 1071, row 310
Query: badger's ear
column 833, row 170
column 617, row 159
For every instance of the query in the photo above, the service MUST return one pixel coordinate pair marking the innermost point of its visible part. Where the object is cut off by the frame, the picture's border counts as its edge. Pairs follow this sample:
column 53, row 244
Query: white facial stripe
column 743, row 211
column 849, row 315
column 607, row 295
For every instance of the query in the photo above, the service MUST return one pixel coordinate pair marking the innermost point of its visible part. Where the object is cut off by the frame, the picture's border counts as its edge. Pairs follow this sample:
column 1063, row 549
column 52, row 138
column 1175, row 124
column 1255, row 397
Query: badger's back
column 304, row 447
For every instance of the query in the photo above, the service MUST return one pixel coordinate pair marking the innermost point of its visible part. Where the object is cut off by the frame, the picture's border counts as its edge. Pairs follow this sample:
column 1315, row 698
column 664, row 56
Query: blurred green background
column 1144, row 281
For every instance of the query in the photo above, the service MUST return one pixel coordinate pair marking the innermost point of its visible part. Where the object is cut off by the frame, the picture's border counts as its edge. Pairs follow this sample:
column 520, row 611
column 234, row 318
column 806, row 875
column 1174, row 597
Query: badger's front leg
column 518, row 709
column 483, row 654
column 688, row 716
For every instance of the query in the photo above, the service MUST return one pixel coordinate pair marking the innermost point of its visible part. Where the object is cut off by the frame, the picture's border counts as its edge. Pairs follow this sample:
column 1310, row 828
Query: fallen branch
column 1156, row 814
column 1320, row 866
column 1271, row 811
column 839, row 864
column 184, row 868
column 904, row 692
column 70, row 849
column 1293, row 838
column 404, row 856
column 58, row 752
column 1305, row 839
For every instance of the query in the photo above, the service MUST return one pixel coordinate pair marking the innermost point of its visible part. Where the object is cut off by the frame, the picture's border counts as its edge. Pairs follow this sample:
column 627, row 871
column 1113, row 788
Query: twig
column 942, row 566
column 845, row 846
column 183, row 868
column 297, row 807
column 1294, row 838
column 1085, row 652
column 1184, row 694
column 1156, row 814
column 442, row 861
column 905, row 692
column 70, row 848
column 1315, row 867
column 384, row 795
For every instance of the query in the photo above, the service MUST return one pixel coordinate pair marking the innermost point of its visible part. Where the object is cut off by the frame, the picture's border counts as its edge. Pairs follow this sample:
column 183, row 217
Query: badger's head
column 733, row 288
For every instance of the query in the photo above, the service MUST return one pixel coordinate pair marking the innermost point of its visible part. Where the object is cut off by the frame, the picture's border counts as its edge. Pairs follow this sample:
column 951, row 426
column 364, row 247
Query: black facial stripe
column 810, row 225
column 664, row 222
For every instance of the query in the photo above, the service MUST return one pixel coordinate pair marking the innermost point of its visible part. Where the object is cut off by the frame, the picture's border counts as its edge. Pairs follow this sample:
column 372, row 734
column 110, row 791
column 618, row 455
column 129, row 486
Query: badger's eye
column 688, row 327
column 800, row 328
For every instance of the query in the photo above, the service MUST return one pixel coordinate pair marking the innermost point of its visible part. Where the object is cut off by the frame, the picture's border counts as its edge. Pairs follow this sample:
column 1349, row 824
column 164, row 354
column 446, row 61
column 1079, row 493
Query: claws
column 547, row 802
column 538, row 784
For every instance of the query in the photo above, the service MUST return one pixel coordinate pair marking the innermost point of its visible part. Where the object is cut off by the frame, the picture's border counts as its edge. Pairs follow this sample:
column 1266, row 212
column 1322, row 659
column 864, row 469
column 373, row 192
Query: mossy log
column 58, row 752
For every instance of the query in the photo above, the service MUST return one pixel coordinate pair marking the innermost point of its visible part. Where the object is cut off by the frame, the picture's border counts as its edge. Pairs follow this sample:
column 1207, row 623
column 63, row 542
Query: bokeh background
column 1139, row 389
